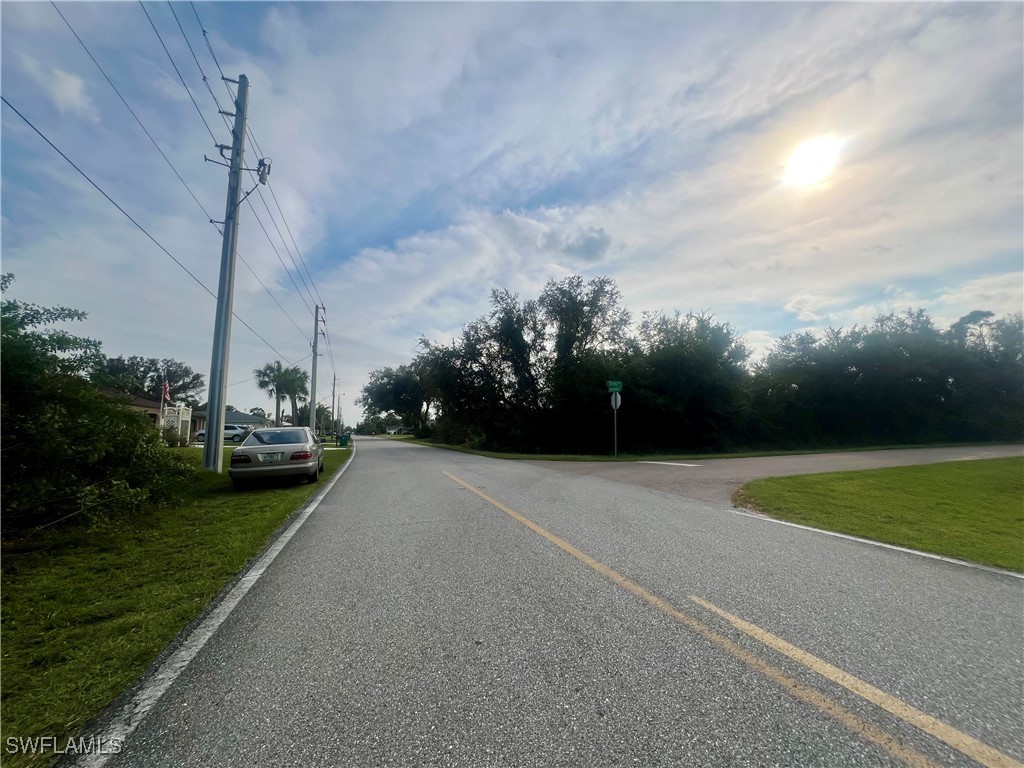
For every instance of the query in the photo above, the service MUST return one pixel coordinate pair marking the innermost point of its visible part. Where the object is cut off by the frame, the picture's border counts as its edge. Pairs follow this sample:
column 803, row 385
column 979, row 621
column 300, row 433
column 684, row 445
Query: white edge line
column 669, row 463
column 989, row 568
column 136, row 710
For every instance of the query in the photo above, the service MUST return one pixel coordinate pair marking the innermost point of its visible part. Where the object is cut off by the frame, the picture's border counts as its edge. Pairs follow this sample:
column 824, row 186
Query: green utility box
column 342, row 440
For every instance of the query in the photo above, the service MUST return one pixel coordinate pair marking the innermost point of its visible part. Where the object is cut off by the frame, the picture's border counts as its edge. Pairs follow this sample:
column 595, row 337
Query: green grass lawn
column 971, row 510
column 85, row 610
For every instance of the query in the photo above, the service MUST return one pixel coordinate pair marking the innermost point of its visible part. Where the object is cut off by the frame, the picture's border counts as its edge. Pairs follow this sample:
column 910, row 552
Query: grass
column 972, row 510
column 626, row 457
column 86, row 609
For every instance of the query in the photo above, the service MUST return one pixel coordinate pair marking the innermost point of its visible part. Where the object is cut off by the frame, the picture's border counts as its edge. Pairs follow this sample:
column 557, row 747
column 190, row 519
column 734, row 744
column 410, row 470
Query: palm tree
column 294, row 384
column 272, row 378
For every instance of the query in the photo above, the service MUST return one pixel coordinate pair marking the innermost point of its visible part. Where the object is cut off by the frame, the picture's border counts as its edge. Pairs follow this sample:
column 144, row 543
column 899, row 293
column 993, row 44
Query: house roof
column 236, row 417
column 138, row 402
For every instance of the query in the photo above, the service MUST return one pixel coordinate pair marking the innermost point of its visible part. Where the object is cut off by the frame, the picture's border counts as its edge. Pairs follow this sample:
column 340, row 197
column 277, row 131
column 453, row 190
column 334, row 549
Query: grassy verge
column 86, row 609
column 626, row 457
column 970, row 510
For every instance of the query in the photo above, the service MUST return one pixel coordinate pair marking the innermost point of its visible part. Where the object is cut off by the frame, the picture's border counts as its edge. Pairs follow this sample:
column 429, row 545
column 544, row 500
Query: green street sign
column 614, row 386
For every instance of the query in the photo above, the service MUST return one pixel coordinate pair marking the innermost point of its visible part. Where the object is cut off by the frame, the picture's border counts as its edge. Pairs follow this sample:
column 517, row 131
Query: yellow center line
column 961, row 741
column 968, row 745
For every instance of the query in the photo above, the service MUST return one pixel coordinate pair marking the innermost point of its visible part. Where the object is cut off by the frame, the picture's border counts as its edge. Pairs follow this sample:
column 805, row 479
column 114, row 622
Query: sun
column 813, row 161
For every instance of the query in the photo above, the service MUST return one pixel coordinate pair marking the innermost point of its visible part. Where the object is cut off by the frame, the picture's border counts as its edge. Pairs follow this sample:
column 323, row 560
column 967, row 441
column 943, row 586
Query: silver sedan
column 278, row 452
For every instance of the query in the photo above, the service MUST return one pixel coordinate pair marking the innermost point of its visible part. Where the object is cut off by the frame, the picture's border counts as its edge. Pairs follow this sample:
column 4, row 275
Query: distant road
column 715, row 480
column 443, row 609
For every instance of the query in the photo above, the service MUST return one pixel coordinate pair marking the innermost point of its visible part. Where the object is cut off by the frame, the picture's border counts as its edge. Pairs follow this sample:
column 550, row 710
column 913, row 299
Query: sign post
column 616, row 399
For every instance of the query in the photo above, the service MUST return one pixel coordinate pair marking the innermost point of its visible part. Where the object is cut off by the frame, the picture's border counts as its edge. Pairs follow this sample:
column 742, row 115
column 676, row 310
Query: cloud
column 424, row 155
column 66, row 90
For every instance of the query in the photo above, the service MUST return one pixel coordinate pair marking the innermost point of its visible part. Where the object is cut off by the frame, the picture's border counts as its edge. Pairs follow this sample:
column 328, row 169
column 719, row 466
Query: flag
column 166, row 391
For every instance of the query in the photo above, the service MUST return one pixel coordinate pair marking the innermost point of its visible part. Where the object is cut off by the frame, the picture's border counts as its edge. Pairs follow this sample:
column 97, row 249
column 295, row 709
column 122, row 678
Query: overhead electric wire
column 277, row 253
column 253, row 378
column 285, row 244
column 220, row 111
column 252, row 135
column 208, row 46
column 164, row 156
column 183, row 83
column 259, row 150
column 195, row 58
column 132, row 111
column 129, row 217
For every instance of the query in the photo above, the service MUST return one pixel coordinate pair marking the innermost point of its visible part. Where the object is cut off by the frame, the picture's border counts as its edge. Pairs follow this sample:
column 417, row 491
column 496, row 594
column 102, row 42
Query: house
column 149, row 407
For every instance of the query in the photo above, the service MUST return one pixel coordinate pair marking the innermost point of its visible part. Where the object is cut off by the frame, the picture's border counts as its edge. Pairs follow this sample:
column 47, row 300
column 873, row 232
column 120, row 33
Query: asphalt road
column 515, row 614
column 715, row 480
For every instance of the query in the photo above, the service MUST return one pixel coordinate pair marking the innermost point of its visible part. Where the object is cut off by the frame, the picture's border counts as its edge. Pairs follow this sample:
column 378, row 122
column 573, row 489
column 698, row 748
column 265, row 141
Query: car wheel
column 236, row 438
column 315, row 475
column 200, row 438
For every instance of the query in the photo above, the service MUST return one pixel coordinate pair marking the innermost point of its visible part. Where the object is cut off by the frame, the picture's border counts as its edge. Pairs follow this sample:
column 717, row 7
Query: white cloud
column 424, row 155
column 65, row 89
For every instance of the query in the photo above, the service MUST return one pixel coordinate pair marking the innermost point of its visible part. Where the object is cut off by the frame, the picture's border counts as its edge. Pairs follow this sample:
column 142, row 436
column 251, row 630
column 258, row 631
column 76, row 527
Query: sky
column 783, row 166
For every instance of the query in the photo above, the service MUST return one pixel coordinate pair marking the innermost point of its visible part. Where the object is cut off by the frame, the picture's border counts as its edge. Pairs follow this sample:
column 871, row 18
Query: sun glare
column 813, row 161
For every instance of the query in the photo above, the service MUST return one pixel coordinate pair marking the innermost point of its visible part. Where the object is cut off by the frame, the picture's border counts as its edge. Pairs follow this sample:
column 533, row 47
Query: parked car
column 277, row 452
column 234, row 433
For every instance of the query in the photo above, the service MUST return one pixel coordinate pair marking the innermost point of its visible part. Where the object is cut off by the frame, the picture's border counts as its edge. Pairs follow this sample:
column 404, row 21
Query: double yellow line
column 962, row 742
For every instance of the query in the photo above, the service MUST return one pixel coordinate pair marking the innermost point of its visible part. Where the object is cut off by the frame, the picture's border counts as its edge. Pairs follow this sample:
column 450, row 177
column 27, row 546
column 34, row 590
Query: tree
column 530, row 376
column 68, row 448
column 400, row 391
column 272, row 380
column 144, row 377
column 583, row 317
column 257, row 411
column 294, row 384
column 323, row 417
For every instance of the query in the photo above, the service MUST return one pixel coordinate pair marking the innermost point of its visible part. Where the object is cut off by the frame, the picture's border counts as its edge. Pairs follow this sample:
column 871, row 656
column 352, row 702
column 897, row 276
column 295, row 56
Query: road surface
column 443, row 609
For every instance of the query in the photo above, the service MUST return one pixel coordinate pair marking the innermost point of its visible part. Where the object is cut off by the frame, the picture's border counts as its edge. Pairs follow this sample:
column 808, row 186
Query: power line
column 220, row 111
column 128, row 107
column 209, row 47
column 171, row 58
column 253, row 378
column 164, row 155
column 302, row 260
column 285, row 244
column 278, row 254
column 273, row 194
column 132, row 220
column 195, row 58
column 302, row 332
column 109, row 198
column 252, row 136
column 259, row 150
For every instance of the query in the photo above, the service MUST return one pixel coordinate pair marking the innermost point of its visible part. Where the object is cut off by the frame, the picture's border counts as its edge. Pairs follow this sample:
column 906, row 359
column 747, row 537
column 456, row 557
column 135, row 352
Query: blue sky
column 424, row 154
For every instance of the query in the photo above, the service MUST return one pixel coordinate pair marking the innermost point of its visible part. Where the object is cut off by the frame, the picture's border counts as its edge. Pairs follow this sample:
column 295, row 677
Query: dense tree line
column 531, row 376
column 70, row 449
column 145, row 376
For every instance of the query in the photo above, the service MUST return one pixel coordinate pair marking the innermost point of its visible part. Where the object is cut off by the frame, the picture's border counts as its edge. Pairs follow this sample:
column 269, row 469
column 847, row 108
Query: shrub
column 68, row 448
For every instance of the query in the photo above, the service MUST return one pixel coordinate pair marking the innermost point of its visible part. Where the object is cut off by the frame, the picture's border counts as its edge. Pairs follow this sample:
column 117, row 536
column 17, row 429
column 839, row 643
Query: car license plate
column 270, row 457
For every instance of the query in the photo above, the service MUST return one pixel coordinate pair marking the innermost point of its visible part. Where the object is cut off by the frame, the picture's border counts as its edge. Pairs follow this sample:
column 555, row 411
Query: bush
column 173, row 437
column 68, row 448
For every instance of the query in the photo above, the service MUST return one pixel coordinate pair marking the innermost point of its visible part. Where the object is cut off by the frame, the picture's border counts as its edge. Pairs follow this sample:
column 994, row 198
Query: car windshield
column 284, row 437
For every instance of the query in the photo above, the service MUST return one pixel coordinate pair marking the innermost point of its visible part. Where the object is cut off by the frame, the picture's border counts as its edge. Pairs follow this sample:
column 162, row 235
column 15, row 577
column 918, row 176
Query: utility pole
column 312, row 382
column 334, row 419
column 213, row 456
